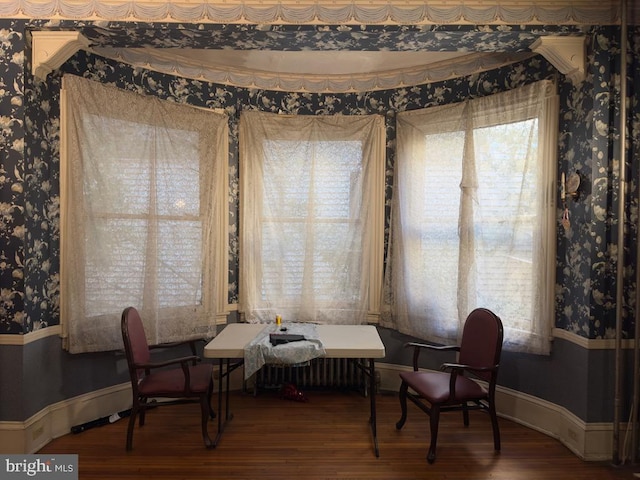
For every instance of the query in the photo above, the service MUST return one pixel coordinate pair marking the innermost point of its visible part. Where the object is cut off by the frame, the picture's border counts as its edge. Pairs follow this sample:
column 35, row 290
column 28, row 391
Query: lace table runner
column 259, row 351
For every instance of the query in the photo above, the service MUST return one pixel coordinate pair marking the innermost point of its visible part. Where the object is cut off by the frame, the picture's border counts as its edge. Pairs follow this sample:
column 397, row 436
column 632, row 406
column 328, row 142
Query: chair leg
column 494, row 424
column 434, row 418
column 403, row 404
column 143, row 410
column 465, row 414
column 132, row 424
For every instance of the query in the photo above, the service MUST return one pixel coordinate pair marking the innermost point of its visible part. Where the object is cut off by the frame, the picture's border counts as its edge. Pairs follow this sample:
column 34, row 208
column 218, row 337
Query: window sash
column 143, row 205
column 305, row 248
column 432, row 291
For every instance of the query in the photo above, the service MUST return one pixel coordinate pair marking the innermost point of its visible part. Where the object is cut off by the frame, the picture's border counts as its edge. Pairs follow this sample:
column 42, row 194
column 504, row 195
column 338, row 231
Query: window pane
column 337, row 175
column 116, row 182
column 178, row 173
column 143, row 182
column 147, row 216
column 120, row 280
column 179, row 263
column 472, row 222
column 284, row 270
column 508, row 195
column 312, row 197
column 436, row 229
column 326, row 173
column 504, row 215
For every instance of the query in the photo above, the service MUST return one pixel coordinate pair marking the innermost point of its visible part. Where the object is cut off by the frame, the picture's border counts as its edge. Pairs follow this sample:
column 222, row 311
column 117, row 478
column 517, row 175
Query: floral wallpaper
column 29, row 116
column 12, row 197
column 513, row 38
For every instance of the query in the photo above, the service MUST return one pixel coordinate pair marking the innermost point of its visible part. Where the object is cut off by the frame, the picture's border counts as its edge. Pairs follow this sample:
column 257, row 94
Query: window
column 144, row 187
column 312, row 203
column 474, row 217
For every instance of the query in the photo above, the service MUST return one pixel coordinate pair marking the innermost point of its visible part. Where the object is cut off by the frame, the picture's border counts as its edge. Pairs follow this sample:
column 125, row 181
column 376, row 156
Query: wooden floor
column 326, row 438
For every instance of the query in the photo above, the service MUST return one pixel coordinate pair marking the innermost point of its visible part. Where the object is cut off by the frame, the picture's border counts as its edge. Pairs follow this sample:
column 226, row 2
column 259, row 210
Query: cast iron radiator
column 339, row 373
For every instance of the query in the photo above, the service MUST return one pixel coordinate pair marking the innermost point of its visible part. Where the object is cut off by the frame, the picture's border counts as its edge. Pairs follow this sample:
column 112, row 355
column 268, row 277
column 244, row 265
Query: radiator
column 318, row 373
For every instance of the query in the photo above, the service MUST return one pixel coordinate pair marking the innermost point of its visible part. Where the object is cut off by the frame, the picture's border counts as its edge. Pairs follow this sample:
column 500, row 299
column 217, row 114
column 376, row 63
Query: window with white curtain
column 312, row 200
column 473, row 222
column 143, row 216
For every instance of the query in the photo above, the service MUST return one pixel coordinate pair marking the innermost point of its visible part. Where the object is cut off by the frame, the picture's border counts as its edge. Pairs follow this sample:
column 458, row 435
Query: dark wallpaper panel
column 12, row 186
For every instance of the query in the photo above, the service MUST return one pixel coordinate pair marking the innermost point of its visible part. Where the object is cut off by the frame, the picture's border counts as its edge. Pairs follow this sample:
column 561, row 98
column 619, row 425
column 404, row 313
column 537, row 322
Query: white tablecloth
column 259, row 351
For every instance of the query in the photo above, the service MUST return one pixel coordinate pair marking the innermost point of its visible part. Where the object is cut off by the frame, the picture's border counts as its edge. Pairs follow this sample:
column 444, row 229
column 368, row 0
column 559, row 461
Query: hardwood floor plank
column 326, row 438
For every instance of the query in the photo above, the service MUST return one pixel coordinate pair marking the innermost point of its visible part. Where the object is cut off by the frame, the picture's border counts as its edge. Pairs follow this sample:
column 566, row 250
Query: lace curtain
column 143, row 198
column 473, row 217
column 312, row 199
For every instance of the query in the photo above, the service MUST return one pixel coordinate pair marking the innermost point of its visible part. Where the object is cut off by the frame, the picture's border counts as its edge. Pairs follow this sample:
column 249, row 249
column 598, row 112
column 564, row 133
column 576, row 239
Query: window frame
column 212, row 307
column 374, row 191
column 542, row 99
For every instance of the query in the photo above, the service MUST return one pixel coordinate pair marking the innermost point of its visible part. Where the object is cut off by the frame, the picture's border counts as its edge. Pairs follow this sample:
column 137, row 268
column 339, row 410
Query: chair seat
column 434, row 386
column 171, row 382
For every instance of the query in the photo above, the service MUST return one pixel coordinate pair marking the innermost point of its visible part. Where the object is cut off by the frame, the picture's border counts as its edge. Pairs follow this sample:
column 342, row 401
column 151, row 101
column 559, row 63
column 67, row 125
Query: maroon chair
column 179, row 380
column 454, row 387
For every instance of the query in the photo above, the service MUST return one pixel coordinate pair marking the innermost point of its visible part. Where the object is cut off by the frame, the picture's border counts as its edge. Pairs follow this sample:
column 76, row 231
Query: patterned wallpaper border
column 406, row 12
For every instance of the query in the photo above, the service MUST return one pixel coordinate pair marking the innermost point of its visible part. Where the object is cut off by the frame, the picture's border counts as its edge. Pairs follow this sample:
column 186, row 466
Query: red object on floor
column 290, row 392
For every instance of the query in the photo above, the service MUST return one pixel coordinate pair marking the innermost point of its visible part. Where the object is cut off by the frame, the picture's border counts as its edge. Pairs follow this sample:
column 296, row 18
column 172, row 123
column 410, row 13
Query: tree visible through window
column 474, row 217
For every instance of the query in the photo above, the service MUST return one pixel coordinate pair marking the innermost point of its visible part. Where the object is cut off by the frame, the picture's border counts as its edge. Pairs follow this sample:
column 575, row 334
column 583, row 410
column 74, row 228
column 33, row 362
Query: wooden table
column 339, row 341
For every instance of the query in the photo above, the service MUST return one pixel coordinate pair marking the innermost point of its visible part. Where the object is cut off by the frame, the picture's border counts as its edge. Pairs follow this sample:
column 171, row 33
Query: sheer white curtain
column 312, row 200
column 143, row 216
column 473, row 217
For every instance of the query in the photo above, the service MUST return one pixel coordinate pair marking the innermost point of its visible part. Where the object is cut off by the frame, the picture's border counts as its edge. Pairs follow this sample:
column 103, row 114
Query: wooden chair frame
column 453, row 388
column 175, row 381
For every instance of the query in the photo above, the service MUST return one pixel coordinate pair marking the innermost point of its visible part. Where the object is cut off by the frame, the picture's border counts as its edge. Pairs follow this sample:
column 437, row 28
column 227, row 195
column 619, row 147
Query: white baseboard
column 56, row 420
column 589, row 441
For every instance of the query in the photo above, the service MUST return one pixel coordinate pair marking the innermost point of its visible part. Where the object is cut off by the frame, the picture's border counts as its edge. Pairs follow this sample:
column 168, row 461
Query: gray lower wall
column 56, row 375
column 578, row 379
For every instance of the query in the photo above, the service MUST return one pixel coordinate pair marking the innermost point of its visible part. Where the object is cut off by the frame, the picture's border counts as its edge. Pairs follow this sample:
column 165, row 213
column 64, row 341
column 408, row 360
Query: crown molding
column 567, row 54
column 52, row 48
column 399, row 12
